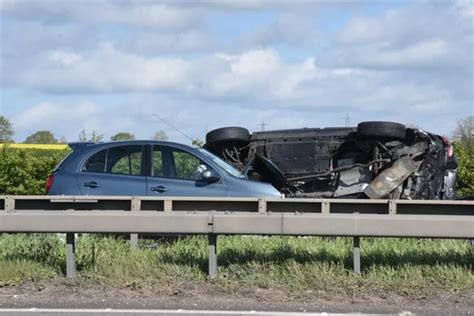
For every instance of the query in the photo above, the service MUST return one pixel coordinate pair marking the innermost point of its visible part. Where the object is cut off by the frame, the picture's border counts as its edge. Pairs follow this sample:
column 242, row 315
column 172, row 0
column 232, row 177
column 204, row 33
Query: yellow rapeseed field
column 37, row 146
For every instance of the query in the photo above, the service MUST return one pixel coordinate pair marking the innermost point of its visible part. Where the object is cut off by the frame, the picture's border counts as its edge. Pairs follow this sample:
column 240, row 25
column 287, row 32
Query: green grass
column 404, row 266
column 14, row 272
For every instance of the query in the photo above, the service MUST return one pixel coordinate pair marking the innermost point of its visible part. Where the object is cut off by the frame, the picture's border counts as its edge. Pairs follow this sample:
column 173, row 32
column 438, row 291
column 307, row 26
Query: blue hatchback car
column 152, row 168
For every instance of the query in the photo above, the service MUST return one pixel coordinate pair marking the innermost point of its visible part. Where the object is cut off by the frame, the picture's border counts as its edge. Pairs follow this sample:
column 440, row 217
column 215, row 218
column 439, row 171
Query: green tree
column 464, row 131
column 25, row 171
column 122, row 136
column 464, row 149
column 465, row 157
column 197, row 142
column 94, row 138
column 6, row 129
column 41, row 137
column 160, row 135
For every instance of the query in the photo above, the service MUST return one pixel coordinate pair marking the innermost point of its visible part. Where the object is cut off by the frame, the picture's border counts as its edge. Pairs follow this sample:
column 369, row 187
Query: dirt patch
column 63, row 293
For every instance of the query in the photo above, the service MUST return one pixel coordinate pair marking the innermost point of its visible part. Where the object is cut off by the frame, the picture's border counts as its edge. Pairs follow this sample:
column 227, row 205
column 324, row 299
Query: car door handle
column 92, row 185
column 159, row 189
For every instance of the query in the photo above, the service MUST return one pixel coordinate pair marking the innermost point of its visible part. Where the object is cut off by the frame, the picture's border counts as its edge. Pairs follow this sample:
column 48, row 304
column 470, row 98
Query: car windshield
column 227, row 167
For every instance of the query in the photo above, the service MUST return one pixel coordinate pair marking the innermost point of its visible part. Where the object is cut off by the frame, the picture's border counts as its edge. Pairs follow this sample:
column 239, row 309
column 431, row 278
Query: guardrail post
column 262, row 205
column 325, row 207
column 135, row 207
column 212, row 255
column 392, row 207
column 168, row 206
column 356, row 255
column 9, row 204
column 70, row 255
column 134, row 241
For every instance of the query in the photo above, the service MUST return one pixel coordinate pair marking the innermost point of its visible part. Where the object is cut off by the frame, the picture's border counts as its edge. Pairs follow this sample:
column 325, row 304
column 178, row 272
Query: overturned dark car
column 373, row 160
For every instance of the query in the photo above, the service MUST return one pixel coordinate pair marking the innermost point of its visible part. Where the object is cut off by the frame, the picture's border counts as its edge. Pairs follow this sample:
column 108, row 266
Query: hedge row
column 24, row 172
column 465, row 156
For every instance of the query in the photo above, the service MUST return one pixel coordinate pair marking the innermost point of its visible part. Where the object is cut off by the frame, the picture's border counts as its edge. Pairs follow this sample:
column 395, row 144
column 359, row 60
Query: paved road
column 58, row 297
column 151, row 312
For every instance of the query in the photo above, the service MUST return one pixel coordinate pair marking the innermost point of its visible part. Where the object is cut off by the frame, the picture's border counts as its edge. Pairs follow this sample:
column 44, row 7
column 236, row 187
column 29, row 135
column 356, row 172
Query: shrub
column 465, row 157
column 25, row 171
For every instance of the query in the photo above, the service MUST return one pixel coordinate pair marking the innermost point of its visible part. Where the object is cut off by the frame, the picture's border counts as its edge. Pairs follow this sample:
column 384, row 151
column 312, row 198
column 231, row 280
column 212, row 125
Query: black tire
column 228, row 134
column 381, row 129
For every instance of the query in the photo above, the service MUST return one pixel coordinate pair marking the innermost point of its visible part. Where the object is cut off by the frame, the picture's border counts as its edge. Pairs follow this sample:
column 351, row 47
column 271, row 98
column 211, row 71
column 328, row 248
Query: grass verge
column 410, row 267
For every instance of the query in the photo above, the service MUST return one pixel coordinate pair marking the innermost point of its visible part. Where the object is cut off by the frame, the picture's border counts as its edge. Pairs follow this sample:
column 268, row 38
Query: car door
column 116, row 170
column 174, row 173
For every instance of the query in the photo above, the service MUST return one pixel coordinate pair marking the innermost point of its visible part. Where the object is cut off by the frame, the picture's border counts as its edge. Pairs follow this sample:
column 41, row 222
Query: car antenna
column 173, row 127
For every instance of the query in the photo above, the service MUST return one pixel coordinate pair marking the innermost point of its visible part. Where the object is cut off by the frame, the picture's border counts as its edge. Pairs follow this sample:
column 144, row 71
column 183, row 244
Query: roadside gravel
column 63, row 293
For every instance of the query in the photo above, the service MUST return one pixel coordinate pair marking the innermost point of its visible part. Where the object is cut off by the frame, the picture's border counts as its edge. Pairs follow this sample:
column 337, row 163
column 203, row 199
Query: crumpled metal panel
column 352, row 181
column 389, row 179
column 415, row 149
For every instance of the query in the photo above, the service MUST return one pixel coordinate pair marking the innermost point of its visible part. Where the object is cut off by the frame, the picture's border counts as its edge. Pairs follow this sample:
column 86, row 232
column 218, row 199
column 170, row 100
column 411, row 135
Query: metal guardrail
column 234, row 216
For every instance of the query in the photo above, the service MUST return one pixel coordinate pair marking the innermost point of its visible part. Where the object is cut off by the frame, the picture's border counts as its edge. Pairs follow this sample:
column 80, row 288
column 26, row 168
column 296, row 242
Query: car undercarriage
column 373, row 160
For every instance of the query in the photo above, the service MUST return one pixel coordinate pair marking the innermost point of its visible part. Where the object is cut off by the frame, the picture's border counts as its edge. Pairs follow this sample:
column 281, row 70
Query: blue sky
column 111, row 65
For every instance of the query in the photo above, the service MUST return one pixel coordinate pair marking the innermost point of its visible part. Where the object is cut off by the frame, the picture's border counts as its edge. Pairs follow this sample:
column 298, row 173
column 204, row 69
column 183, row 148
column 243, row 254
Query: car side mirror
column 210, row 176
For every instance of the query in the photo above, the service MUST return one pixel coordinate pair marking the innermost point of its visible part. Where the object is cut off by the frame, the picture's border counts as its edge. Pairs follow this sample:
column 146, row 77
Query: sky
column 114, row 66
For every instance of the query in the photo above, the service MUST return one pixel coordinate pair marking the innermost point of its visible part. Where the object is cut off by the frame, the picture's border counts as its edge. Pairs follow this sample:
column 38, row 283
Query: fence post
column 135, row 207
column 262, row 205
column 356, row 254
column 392, row 207
column 212, row 255
column 70, row 255
column 9, row 204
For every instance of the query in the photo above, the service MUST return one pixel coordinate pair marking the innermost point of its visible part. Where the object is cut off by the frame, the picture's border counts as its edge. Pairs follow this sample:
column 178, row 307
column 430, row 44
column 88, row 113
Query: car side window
column 168, row 162
column 186, row 165
column 96, row 163
column 124, row 160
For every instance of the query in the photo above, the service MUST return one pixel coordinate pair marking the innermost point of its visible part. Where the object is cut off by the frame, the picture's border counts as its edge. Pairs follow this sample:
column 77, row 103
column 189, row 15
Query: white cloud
column 427, row 35
column 419, row 55
column 109, row 69
column 147, row 15
column 55, row 116
column 103, row 70
column 253, row 63
column 292, row 28
column 361, row 30
column 152, row 43
column 259, row 74
column 64, row 57
column 135, row 14
column 465, row 7
column 247, row 5
column 256, row 76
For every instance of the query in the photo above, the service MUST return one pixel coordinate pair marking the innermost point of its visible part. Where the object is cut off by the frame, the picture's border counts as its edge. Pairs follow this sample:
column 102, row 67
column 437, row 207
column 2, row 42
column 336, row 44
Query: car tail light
column 49, row 183
column 448, row 146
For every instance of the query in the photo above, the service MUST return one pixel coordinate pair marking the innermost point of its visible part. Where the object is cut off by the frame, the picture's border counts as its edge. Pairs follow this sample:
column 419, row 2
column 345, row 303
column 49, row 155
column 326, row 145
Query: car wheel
column 381, row 129
column 228, row 134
